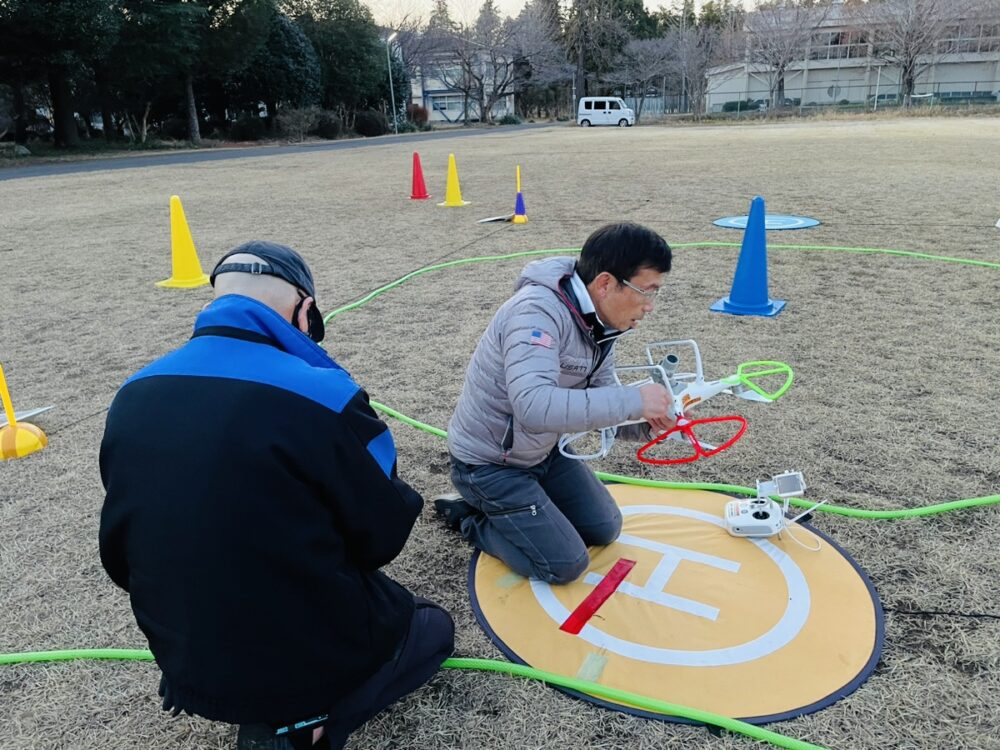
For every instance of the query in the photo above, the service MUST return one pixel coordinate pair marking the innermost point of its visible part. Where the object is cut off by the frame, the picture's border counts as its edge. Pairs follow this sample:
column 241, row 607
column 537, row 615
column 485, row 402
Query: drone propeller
column 686, row 427
column 746, row 383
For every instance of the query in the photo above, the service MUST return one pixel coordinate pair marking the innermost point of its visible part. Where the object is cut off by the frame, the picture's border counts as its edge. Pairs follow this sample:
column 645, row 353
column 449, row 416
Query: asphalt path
column 194, row 156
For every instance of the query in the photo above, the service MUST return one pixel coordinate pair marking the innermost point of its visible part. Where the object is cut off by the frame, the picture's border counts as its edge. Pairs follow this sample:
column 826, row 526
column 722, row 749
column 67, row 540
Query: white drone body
column 688, row 389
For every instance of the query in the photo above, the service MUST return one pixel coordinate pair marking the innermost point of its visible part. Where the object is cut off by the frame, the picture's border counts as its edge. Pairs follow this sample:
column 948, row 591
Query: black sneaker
column 453, row 509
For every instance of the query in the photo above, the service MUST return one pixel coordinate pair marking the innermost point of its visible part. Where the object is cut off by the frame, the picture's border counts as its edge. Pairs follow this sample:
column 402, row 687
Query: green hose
column 734, row 489
column 483, row 258
column 591, row 688
column 123, row 654
column 485, row 665
column 639, row 701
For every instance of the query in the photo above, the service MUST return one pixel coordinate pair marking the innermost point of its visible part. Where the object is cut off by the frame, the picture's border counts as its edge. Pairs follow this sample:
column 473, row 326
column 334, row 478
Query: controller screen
column 788, row 484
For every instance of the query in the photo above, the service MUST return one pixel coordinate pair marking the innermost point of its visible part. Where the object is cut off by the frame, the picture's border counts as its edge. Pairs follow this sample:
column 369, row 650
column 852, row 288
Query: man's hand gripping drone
column 688, row 390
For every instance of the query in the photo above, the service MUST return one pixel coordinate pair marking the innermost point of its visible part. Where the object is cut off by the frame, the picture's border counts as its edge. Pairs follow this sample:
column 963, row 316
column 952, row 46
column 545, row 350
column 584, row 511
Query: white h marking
column 664, row 570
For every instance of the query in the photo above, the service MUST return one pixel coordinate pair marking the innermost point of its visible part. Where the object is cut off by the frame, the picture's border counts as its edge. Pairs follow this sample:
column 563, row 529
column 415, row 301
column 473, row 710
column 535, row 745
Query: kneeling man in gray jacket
column 544, row 367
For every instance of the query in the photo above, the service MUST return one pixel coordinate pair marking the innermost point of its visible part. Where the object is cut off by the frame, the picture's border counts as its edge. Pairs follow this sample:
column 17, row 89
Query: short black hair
column 622, row 249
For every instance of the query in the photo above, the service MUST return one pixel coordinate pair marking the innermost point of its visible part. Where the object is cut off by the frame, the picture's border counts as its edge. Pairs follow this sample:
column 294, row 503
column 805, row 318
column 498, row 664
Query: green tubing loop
column 734, row 489
column 590, row 688
column 486, row 665
column 747, row 379
column 740, row 377
column 483, row 258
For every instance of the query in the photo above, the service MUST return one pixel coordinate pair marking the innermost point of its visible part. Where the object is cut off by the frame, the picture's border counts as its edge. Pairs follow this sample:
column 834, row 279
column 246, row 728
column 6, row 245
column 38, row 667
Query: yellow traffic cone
column 186, row 270
column 17, row 439
column 453, row 193
column 520, row 217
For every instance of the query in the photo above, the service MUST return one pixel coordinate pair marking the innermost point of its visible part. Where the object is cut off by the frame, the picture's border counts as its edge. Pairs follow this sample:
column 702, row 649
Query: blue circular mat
column 771, row 221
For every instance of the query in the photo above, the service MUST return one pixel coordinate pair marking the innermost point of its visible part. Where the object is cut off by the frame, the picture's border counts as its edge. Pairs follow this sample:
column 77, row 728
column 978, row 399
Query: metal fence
column 860, row 95
column 847, row 95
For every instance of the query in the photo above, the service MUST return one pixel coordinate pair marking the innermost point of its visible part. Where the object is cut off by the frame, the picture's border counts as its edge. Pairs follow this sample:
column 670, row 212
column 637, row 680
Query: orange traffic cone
column 419, row 192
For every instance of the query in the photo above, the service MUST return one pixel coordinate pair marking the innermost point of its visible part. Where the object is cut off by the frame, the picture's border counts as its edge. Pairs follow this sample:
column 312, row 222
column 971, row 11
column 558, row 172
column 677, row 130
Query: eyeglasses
column 647, row 293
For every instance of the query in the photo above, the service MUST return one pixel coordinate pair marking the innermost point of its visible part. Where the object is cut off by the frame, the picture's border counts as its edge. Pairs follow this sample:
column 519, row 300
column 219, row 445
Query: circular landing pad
column 771, row 221
column 757, row 629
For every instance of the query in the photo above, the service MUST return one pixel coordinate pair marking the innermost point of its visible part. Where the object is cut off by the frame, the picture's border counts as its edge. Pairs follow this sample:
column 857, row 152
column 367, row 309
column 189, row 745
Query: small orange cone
column 186, row 270
column 17, row 439
column 453, row 191
column 419, row 192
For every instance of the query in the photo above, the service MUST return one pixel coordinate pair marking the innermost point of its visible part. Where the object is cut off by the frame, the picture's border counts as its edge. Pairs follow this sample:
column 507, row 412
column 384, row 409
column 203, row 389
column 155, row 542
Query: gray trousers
column 538, row 520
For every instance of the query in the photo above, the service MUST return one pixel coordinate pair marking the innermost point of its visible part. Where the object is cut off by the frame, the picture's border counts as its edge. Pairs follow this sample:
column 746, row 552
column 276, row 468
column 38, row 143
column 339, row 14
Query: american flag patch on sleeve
column 540, row 338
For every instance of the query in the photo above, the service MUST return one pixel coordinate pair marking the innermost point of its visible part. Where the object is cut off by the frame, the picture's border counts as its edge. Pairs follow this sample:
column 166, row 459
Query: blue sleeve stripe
column 218, row 357
column 383, row 450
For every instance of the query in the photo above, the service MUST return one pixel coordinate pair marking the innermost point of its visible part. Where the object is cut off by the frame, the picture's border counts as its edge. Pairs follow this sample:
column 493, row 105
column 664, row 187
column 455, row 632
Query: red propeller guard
column 686, row 428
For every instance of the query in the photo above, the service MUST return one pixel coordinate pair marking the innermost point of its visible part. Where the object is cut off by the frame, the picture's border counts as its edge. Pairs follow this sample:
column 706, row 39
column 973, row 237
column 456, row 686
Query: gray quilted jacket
column 536, row 373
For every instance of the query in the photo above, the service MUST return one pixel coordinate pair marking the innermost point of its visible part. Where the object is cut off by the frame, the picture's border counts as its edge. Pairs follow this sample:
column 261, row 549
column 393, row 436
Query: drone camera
column 669, row 364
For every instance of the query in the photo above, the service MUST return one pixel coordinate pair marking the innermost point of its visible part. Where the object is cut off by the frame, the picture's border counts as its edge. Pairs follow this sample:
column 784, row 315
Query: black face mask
column 317, row 330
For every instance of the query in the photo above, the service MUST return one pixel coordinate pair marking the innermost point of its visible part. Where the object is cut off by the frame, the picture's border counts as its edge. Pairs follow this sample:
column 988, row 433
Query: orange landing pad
column 755, row 629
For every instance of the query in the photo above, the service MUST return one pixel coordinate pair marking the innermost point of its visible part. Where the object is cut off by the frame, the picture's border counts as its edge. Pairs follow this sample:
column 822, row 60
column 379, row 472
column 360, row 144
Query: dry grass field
column 895, row 401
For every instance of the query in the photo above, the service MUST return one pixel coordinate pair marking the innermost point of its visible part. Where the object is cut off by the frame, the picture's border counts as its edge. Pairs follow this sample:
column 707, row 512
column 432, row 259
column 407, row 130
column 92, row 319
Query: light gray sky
column 389, row 12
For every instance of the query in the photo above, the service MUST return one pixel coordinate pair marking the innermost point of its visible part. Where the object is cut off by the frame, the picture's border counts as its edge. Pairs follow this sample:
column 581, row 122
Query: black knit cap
column 280, row 261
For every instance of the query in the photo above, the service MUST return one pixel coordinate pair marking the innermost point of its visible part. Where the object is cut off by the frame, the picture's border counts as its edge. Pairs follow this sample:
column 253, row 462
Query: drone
column 689, row 389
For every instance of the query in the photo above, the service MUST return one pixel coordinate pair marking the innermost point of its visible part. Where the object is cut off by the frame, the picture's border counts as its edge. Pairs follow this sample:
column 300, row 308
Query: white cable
column 809, row 510
column 795, row 539
column 789, row 523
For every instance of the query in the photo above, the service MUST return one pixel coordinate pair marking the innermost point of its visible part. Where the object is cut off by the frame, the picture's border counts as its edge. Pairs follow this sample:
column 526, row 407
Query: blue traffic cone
column 520, row 217
column 748, row 295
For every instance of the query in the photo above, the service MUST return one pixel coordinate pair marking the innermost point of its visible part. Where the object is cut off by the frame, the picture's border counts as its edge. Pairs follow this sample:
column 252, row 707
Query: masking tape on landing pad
column 760, row 630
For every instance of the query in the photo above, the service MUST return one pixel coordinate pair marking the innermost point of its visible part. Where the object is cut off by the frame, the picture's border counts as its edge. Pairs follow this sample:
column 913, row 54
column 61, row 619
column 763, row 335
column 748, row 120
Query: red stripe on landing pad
column 586, row 609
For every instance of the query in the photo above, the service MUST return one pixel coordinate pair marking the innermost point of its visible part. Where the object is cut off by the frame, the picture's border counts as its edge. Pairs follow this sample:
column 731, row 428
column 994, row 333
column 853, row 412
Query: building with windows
column 841, row 66
column 448, row 94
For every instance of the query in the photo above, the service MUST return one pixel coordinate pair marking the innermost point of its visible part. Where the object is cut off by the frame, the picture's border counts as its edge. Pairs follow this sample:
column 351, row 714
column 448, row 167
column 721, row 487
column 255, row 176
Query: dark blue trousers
column 538, row 520
column 428, row 643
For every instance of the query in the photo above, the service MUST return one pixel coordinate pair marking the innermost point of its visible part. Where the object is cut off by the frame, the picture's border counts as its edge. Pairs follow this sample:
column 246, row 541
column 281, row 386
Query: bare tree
column 697, row 49
column 440, row 52
column 484, row 61
column 410, row 44
column 543, row 71
column 595, row 34
column 482, row 71
column 778, row 33
column 908, row 33
column 493, row 57
column 642, row 62
column 538, row 45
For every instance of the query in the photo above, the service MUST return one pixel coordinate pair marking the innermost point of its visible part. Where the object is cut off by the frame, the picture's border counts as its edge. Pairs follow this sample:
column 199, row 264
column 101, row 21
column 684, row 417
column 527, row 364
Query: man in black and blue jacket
column 252, row 497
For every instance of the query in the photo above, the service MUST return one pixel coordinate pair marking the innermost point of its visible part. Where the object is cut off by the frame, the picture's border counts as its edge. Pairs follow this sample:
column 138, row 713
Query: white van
column 604, row 110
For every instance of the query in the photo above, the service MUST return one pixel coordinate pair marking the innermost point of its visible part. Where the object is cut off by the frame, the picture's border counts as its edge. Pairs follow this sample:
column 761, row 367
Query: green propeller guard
column 746, row 375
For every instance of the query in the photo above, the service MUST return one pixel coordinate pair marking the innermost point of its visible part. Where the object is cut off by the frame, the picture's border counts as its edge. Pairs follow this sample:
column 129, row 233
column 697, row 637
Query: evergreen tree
column 57, row 40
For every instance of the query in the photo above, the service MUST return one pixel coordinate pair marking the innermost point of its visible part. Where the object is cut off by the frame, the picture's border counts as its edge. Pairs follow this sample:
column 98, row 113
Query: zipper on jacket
column 507, row 442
